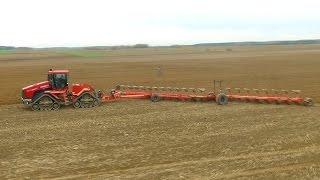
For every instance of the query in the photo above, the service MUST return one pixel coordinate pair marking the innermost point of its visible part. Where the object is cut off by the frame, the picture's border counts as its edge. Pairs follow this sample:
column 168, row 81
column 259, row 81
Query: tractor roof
column 58, row 71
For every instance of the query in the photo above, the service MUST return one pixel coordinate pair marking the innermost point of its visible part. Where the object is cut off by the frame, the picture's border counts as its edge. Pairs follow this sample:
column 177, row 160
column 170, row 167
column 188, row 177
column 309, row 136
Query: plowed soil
column 170, row 140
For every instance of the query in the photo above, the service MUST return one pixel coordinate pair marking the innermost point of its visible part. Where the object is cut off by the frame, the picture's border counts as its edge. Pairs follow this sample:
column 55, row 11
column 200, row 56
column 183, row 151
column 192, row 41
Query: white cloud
column 107, row 22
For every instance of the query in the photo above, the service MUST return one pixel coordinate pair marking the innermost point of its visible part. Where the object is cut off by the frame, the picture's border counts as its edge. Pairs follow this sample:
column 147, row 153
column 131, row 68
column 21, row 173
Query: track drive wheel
column 86, row 101
column 222, row 99
column 46, row 103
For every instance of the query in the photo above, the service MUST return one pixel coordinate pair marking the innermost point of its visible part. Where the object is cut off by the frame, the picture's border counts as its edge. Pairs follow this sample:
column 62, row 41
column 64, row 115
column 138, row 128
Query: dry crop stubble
column 140, row 139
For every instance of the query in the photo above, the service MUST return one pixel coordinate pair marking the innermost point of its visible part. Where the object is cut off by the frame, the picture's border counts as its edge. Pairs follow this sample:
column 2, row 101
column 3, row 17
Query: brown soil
column 140, row 139
column 171, row 140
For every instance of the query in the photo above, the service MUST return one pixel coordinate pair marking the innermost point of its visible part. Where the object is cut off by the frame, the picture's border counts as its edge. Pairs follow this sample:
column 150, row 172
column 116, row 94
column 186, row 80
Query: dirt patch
column 140, row 139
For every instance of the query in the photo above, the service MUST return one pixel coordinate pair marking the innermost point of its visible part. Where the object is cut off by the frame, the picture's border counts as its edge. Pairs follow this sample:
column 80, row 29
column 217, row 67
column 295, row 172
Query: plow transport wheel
column 155, row 98
column 46, row 103
column 308, row 102
column 222, row 99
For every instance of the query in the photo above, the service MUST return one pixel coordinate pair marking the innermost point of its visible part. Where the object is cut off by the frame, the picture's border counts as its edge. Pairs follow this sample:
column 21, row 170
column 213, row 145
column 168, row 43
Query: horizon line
column 296, row 41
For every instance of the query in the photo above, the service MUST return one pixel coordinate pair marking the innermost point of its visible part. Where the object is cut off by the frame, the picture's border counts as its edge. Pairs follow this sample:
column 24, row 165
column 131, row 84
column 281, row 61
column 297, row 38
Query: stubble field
column 140, row 139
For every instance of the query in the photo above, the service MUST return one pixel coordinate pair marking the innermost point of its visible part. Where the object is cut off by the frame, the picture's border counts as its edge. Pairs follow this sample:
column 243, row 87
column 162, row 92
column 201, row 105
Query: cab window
column 58, row 81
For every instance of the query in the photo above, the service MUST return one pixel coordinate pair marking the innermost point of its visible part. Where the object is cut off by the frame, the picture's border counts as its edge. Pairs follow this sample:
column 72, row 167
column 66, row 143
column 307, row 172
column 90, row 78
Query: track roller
column 77, row 104
column 35, row 107
column 56, row 106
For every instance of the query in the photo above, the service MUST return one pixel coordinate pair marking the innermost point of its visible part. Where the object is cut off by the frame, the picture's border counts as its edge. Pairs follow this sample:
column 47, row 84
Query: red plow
column 156, row 94
column 135, row 92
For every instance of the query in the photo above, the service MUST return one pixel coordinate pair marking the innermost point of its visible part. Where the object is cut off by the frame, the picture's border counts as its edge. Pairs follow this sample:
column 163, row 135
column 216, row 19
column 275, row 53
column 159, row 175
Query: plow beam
column 116, row 95
column 156, row 88
column 156, row 94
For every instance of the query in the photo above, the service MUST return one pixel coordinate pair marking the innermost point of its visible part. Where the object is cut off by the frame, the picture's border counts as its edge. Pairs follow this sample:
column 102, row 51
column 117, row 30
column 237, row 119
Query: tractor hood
column 29, row 91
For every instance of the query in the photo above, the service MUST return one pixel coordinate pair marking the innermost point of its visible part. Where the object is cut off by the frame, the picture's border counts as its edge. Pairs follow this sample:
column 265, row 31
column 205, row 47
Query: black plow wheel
column 308, row 102
column 222, row 99
column 155, row 98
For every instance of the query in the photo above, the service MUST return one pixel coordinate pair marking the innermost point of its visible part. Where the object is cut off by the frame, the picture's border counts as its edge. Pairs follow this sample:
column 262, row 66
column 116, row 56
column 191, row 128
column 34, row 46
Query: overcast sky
column 49, row 23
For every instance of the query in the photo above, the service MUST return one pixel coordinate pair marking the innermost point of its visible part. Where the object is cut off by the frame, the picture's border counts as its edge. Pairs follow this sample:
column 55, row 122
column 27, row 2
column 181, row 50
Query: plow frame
column 118, row 94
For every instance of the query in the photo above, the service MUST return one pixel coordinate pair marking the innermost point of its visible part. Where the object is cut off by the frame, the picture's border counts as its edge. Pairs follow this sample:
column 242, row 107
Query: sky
column 73, row 23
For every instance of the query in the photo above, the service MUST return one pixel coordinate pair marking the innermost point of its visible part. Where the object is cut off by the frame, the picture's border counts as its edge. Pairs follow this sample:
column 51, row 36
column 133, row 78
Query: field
column 171, row 140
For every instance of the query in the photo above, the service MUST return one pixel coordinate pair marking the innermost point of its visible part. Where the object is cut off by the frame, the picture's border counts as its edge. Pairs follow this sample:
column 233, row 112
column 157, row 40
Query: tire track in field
column 178, row 166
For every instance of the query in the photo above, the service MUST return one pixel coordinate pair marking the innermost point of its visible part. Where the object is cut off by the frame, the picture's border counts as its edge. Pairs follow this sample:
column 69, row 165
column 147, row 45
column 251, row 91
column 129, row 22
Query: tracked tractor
column 55, row 92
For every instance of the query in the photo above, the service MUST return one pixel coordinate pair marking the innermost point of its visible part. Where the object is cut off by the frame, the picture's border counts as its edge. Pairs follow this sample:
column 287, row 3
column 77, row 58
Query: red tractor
column 51, row 94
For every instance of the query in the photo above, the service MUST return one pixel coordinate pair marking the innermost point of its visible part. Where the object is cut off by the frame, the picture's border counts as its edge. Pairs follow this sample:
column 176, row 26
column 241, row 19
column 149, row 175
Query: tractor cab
column 58, row 79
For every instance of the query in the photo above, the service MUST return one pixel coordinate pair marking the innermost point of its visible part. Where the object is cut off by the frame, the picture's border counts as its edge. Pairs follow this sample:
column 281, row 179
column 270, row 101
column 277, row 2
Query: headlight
column 22, row 94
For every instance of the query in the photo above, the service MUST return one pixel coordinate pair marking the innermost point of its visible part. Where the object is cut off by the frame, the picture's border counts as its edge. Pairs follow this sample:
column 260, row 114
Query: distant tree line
column 117, row 47
column 7, row 47
column 293, row 42
column 140, row 46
